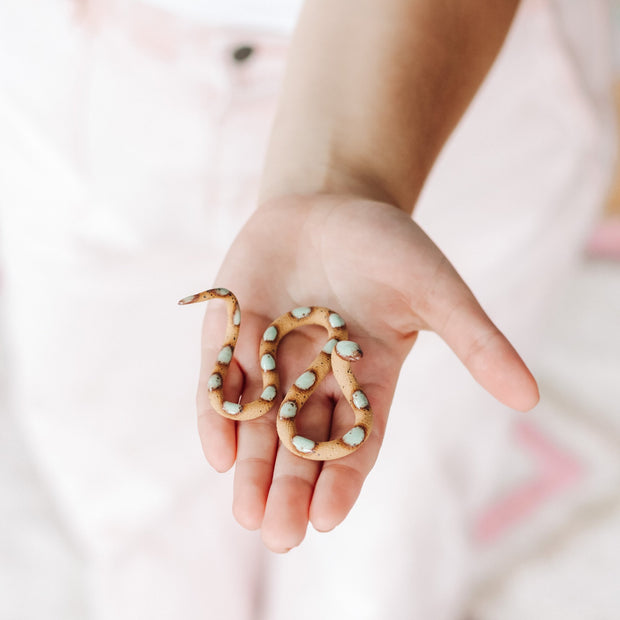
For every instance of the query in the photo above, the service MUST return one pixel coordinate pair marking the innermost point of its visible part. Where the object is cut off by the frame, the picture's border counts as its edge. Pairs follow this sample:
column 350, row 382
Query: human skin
column 373, row 90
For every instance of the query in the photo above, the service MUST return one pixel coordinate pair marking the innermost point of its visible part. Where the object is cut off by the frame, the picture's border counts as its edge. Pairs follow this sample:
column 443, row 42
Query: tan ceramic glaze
column 336, row 355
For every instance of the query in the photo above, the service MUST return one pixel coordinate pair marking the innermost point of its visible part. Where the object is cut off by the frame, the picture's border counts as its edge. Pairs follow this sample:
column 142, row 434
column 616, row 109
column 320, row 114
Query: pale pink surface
column 605, row 239
column 555, row 469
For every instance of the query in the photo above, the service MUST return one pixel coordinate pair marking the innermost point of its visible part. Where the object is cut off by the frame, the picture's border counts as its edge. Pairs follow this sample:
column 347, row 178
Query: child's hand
column 372, row 264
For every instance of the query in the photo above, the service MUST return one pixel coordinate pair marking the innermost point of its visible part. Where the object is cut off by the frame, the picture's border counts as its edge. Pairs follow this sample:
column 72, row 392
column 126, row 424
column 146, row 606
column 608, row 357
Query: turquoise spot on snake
column 267, row 362
column 271, row 333
column 288, row 410
column 354, row 437
column 306, row 381
column 225, row 355
column 335, row 320
column 215, row 382
column 302, row 312
column 359, row 399
column 231, row 408
column 348, row 349
column 269, row 393
column 303, row 444
column 329, row 347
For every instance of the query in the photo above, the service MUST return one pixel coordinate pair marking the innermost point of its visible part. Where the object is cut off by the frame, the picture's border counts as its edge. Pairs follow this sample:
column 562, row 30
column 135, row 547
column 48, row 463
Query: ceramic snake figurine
column 336, row 355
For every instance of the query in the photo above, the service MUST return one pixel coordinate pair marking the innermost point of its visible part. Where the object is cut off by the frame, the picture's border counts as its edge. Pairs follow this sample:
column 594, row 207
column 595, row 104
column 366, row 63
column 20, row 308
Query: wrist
column 306, row 172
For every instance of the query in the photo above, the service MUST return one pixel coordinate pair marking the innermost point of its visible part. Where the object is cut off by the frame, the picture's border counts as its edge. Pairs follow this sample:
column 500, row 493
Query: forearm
column 373, row 89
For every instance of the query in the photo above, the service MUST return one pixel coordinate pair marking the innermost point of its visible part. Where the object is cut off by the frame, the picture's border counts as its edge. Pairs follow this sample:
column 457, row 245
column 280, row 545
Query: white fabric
column 126, row 172
column 274, row 16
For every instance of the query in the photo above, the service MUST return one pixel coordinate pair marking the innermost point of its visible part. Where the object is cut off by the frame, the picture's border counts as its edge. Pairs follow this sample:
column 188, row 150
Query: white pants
column 130, row 152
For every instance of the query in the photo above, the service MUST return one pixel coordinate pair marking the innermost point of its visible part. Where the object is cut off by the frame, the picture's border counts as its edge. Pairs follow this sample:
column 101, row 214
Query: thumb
column 455, row 315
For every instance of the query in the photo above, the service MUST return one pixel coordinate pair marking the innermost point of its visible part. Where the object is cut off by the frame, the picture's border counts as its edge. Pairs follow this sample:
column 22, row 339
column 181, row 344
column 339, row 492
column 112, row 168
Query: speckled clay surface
column 336, row 355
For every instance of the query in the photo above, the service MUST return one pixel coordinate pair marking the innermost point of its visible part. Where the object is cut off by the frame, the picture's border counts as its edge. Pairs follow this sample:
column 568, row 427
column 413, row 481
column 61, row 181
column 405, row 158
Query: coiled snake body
column 336, row 355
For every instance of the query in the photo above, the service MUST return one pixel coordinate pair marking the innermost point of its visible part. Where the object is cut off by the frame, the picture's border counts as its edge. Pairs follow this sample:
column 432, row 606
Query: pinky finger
column 218, row 435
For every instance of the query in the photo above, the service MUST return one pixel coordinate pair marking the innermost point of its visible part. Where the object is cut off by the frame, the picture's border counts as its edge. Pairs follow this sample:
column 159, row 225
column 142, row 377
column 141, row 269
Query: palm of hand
column 372, row 264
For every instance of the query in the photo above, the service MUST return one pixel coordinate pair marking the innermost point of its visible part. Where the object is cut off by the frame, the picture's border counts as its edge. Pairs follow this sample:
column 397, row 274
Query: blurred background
column 549, row 541
column 552, row 542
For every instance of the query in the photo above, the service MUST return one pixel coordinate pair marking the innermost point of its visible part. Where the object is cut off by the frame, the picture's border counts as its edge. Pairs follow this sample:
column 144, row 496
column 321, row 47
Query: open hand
column 373, row 265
